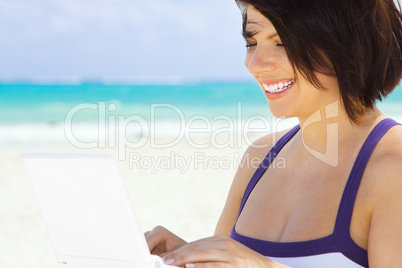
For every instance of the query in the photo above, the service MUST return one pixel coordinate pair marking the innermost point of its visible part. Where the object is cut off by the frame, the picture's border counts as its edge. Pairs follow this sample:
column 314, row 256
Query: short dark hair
column 358, row 41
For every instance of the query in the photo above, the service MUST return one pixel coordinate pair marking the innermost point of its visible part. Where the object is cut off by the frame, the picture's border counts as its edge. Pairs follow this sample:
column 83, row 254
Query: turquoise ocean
column 28, row 103
column 34, row 116
column 50, row 103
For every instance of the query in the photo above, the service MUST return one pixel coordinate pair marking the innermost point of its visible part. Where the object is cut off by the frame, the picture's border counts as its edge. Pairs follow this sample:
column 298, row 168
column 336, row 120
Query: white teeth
column 278, row 87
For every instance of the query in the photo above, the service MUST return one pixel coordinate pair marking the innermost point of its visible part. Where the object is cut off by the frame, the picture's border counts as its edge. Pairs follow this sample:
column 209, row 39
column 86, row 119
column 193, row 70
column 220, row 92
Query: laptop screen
column 86, row 207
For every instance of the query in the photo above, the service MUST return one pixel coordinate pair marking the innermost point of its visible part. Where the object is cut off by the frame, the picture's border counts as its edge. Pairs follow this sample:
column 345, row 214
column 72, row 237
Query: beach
column 177, row 147
column 177, row 157
column 184, row 190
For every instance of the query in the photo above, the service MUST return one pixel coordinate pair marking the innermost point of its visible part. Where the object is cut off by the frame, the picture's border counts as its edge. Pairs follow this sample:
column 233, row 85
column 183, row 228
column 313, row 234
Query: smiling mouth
column 279, row 87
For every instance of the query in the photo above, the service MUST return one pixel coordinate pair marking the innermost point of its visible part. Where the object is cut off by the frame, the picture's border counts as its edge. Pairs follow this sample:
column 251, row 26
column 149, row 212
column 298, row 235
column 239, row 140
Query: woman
column 338, row 202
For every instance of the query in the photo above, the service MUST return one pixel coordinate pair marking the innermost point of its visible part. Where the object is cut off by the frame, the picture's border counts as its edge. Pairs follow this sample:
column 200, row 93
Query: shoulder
column 389, row 157
column 263, row 145
column 385, row 178
column 252, row 158
column 257, row 151
column 385, row 165
column 383, row 174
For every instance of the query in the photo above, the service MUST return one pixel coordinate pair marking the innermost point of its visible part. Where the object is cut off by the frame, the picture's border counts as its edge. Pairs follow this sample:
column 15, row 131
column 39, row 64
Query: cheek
column 284, row 62
column 329, row 82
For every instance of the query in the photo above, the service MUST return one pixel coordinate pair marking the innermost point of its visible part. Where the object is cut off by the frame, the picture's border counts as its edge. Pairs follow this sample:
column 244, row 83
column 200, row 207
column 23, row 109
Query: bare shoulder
column 252, row 158
column 385, row 179
column 390, row 150
column 384, row 171
column 261, row 146
column 257, row 151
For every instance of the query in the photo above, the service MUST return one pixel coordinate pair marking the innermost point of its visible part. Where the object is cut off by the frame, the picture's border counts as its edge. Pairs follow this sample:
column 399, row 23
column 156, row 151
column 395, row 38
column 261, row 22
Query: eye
column 280, row 45
column 248, row 45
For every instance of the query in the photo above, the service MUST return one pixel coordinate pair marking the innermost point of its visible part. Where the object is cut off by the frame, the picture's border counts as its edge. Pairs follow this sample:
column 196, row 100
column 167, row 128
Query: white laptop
column 87, row 211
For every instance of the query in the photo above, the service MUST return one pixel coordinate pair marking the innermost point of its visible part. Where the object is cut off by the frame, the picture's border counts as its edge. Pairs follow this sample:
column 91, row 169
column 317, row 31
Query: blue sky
column 121, row 39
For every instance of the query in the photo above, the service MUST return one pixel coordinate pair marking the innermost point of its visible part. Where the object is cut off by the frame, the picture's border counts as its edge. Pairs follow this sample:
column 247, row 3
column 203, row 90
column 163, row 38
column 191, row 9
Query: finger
column 192, row 246
column 201, row 256
column 207, row 265
column 155, row 237
column 200, row 252
column 214, row 242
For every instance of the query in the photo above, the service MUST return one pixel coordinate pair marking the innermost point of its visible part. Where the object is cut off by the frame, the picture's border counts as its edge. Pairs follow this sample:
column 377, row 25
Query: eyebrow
column 248, row 33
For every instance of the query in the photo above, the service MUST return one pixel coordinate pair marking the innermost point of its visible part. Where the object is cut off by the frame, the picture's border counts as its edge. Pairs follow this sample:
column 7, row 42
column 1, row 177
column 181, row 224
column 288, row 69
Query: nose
column 259, row 60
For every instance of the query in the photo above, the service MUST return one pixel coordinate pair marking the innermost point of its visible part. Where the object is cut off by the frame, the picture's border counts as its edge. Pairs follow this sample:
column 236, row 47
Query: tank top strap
column 265, row 164
column 345, row 211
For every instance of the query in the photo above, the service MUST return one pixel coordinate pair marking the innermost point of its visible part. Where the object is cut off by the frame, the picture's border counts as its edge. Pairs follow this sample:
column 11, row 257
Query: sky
column 163, row 40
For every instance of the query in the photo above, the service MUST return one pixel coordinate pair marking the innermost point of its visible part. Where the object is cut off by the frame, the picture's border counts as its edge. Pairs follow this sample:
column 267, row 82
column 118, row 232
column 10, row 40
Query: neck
column 330, row 128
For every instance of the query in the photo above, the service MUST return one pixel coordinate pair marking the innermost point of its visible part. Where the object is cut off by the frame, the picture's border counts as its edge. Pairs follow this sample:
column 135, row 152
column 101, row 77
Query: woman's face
column 288, row 93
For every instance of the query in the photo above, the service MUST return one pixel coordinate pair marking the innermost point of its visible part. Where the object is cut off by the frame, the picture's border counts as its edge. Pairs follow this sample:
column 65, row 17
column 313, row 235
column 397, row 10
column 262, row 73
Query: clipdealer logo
column 113, row 130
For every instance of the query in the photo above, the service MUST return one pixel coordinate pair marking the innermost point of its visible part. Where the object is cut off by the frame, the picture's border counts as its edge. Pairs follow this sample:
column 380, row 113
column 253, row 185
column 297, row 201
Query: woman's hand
column 218, row 251
column 161, row 241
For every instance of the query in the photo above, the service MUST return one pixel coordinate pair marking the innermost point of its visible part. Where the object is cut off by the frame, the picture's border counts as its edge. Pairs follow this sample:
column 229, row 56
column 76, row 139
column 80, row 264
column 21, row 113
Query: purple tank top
column 340, row 240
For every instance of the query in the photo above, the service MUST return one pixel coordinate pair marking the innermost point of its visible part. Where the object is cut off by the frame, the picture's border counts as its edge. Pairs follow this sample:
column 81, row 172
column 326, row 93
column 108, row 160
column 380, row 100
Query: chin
column 279, row 111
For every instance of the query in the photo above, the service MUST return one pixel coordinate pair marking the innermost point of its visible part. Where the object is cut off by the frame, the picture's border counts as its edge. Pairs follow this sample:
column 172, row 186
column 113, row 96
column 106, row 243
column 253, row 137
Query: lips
column 277, row 87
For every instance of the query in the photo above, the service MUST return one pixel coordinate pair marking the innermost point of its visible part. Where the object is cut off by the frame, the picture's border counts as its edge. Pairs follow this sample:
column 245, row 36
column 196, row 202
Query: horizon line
column 106, row 80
